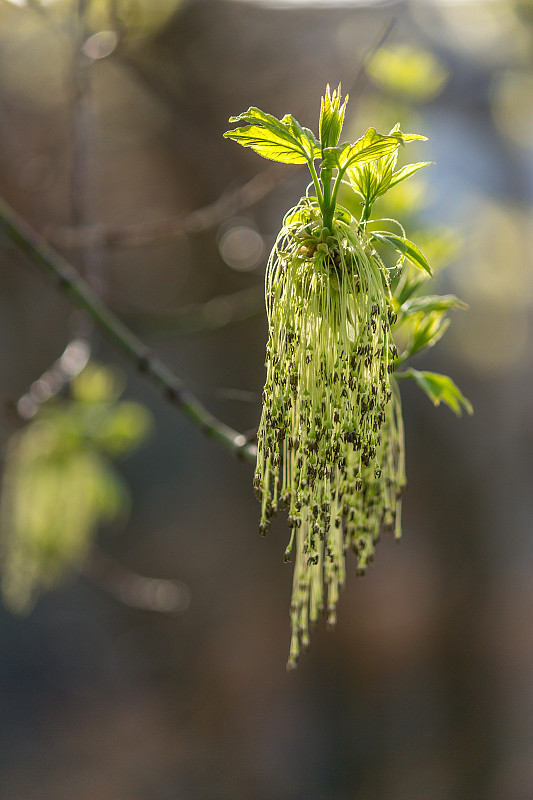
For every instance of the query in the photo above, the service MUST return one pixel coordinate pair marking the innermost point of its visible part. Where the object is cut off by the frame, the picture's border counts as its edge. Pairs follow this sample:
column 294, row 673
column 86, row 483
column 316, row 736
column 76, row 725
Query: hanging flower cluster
column 330, row 441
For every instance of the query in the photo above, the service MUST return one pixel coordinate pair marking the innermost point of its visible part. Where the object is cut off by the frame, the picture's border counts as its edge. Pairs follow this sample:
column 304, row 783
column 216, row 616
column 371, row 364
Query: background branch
column 201, row 219
column 214, row 314
column 32, row 245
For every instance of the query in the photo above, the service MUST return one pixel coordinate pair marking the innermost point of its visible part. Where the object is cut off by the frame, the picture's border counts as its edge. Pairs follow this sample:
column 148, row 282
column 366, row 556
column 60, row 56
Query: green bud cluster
column 330, row 440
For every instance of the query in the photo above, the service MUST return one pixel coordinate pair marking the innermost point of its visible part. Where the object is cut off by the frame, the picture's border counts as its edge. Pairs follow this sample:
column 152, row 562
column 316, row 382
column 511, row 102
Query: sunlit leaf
column 282, row 140
column 441, row 389
column 426, row 330
column 373, row 179
column 331, row 117
column 432, row 303
column 404, row 246
column 369, row 147
column 406, row 172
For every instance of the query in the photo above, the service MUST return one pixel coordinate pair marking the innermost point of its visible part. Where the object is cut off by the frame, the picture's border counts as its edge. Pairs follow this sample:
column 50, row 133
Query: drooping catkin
column 330, row 440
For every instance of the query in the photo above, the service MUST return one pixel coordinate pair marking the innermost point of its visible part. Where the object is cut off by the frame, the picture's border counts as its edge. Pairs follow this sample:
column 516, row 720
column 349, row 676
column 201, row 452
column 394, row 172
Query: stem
column 367, row 210
column 408, row 373
column 328, row 208
column 336, row 187
column 316, row 181
column 69, row 280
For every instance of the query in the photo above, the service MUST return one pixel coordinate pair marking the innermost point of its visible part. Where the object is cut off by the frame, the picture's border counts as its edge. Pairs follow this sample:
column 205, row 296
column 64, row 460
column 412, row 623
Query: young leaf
column 282, row 140
column 369, row 147
column 408, row 283
column 373, row 179
column 407, row 171
column 425, row 330
column 441, row 389
column 432, row 302
column 331, row 117
column 404, row 246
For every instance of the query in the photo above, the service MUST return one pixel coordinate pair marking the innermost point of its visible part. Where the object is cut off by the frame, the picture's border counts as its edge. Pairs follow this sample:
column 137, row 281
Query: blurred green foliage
column 59, row 484
column 407, row 72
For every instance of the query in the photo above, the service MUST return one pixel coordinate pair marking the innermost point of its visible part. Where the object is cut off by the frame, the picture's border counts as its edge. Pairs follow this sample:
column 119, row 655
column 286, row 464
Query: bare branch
column 201, row 219
column 212, row 315
column 32, row 245
column 137, row 591
column 361, row 78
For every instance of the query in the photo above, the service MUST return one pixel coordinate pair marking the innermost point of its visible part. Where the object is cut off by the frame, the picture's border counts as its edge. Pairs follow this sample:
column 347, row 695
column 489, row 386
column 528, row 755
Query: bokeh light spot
column 100, row 45
column 241, row 247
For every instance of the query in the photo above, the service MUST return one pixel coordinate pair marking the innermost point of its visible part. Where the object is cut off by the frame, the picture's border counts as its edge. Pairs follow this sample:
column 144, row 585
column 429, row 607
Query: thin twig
column 201, row 219
column 82, row 129
column 160, row 595
column 18, row 232
column 78, row 350
column 216, row 313
column 361, row 76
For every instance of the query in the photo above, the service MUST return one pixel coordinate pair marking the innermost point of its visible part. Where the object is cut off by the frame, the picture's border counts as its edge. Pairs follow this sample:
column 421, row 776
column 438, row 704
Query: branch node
column 144, row 359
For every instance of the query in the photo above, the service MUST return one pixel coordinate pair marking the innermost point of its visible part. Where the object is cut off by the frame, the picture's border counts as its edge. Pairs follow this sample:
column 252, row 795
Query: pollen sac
column 330, row 387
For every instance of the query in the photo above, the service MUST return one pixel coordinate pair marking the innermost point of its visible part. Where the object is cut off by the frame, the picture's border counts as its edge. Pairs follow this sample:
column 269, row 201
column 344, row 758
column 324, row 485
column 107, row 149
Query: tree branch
column 32, row 245
column 160, row 595
column 214, row 314
column 201, row 219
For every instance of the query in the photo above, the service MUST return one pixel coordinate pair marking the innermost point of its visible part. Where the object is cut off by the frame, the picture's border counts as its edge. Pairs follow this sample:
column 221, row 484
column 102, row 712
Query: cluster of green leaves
column 287, row 141
column 367, row 167
column 59, row 483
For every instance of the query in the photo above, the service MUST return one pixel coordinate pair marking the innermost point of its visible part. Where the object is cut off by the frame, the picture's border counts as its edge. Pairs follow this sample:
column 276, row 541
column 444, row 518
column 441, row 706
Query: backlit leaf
column 331, row 117
column 282, row 140
column 407, row 171
column 441, row 389
column 426, row 330
column 369, row 147
column 404, row 246
column 429, row 303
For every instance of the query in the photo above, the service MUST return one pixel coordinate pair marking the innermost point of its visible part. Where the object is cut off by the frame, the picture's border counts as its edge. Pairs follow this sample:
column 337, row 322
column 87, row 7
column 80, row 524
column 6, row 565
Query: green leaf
column 373, row 179
column 412, row 137
column 404, row 246
column 422, row 330
column 407, row 171
column 407, row 284
column 432, row 302
column 282, row 140
column 369, row 147
column 425, row 330
column 331, row 117
column 441, row 389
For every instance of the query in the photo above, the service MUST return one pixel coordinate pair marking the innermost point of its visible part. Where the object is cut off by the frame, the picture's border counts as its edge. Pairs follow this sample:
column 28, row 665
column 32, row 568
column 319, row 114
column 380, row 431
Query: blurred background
column 117, row 687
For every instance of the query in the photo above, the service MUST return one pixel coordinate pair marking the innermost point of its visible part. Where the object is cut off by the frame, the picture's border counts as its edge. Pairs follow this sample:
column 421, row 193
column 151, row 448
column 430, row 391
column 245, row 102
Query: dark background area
column 424, row 691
